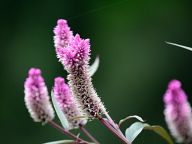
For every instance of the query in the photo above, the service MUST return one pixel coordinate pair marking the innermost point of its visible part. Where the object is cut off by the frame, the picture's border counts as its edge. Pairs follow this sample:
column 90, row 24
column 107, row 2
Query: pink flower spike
column 76, row 54
column 76, row 62
column 36, row 97
column 178, row 112
column 75, row 58
column 62, row 33
column 68, row 104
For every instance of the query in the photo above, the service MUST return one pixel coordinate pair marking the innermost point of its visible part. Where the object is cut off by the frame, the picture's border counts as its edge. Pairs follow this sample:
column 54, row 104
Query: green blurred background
column 128, row 35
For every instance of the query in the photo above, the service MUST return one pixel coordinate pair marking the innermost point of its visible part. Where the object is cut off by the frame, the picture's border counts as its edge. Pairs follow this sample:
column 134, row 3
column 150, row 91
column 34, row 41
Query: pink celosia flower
column 62, row 37
column 76, row 54
column 75, row 58
column 62, row 33
column 68, row 104
column 36, row 97
column 178, row 112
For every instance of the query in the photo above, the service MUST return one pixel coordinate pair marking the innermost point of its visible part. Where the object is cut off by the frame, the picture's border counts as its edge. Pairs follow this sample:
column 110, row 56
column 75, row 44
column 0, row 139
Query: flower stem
column 88, row 135
column 111, row 122
column 66, row 132
column 113, row 130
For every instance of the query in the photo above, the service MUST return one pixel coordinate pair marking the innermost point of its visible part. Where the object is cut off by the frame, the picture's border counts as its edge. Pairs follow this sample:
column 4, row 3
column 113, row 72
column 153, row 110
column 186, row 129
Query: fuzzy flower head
column 68, row 104
column 36, row 97
column 76, row 62
column 75, row 59
column 62, row 33
column 178, row 112
column 76, row 54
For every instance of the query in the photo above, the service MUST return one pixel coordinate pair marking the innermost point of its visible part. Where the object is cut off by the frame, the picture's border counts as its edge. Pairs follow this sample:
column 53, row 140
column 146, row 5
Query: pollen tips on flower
column 76, row 54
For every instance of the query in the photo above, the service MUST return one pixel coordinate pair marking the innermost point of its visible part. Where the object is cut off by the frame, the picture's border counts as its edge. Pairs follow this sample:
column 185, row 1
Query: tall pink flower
column 63, row 36
column 75, row 58
column 36, row 97
column 68, row 104
column 178, row 112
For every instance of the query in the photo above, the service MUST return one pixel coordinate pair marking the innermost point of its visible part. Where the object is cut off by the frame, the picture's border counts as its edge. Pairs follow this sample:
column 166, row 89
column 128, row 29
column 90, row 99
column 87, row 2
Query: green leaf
column 136, row 128
column 181, row 46
column 61, row 142
column 160, row 131
column 93, row 68
column 59, row 112
column 130, row 117
column 133, row 131
column 64, row 142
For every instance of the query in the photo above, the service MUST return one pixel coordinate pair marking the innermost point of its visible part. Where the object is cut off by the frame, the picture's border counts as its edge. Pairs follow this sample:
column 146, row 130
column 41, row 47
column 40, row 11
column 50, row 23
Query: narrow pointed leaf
column 130, row 117
column 160, row 131
column 59, row 112
column 136, row 128
column 133, row 131
column 61, row 142
column 181, row 46
column 93, row 68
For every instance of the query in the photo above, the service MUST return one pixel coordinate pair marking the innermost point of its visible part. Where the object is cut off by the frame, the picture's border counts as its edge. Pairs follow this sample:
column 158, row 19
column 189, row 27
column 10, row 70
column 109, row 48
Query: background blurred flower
column 178, row 112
